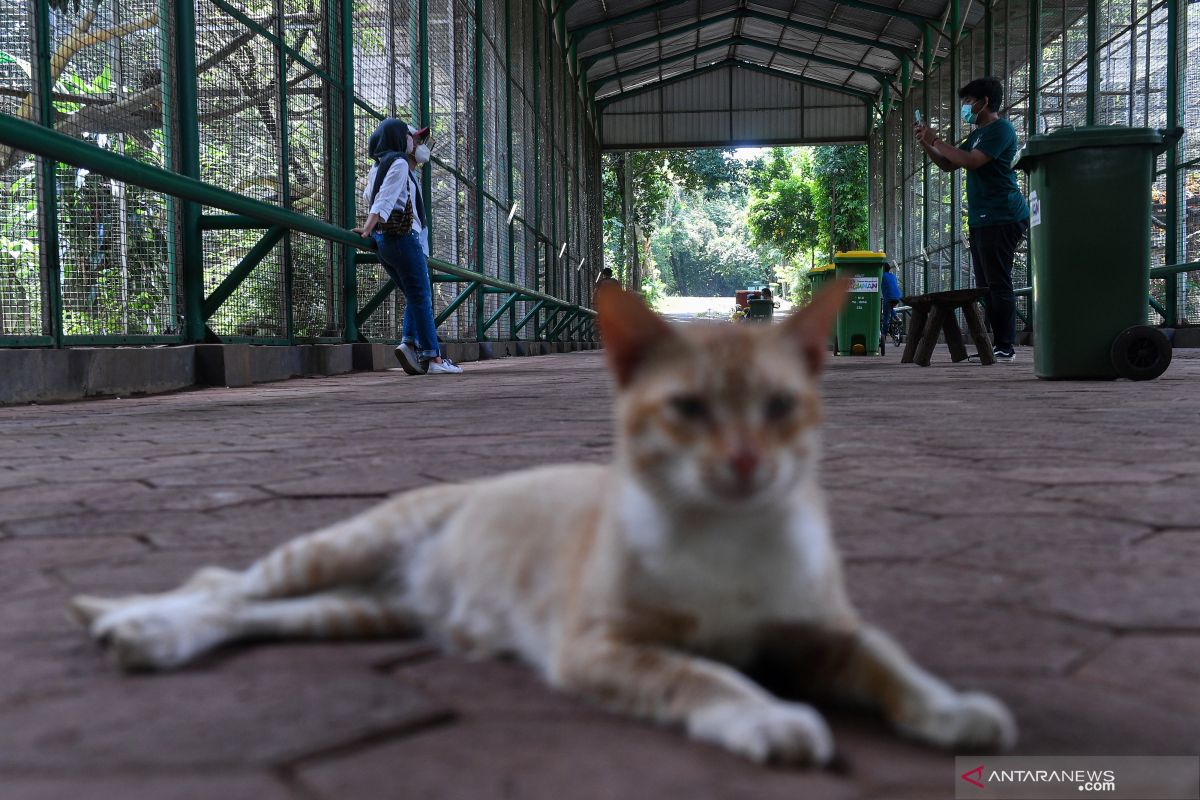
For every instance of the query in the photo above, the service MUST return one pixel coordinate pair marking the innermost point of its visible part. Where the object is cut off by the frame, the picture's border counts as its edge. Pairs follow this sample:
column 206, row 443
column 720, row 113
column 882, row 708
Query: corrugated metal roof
column 852, row 46
column 733, row 103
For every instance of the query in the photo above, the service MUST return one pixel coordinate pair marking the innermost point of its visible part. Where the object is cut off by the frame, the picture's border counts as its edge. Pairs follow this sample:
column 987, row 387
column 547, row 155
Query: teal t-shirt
column 993, row 194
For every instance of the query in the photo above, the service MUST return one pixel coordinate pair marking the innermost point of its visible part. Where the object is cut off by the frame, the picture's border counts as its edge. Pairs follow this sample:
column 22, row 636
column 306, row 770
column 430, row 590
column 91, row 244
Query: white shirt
column 393, row 193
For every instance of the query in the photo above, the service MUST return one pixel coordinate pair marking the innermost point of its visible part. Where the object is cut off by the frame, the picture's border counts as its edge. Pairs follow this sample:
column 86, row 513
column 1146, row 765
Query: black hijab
column 388, row 143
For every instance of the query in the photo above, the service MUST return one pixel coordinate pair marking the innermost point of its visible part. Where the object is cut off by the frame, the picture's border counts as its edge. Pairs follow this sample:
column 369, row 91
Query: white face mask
column 421, row 154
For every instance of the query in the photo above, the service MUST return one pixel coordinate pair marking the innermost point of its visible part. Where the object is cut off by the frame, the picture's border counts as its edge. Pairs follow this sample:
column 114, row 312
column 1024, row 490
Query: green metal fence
column 1089, row 62
column 273, row 101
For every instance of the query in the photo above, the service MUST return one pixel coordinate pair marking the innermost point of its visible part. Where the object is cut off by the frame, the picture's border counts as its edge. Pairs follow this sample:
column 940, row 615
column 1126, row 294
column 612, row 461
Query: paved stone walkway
column 1039, row 540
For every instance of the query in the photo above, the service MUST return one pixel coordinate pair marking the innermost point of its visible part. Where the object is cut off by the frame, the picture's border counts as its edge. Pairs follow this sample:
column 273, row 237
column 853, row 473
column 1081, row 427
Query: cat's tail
column 361, row 550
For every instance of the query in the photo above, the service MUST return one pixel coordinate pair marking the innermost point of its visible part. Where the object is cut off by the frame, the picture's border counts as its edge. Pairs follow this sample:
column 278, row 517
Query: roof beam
column 792, row 24
column 628, row 16
column 736, row 41
column 917, row 20
column 739, row 64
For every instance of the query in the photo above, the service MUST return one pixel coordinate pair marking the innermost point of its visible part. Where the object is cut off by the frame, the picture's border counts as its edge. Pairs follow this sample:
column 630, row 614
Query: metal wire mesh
column 22, row 313
column 114, row 239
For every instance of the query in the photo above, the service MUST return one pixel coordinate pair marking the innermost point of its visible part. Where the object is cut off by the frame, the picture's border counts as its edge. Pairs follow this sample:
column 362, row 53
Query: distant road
column 693, row 309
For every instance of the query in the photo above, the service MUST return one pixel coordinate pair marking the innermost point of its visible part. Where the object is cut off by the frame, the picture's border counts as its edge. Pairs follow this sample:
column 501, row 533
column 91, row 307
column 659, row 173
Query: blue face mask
column 968, row 115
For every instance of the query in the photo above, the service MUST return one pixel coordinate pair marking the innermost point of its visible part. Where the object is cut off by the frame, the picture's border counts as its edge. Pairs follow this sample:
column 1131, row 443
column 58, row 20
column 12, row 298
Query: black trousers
column 992, row 250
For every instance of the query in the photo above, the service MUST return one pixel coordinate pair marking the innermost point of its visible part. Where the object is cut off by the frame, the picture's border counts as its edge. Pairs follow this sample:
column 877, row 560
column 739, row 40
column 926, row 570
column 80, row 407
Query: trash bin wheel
column 1141, row 353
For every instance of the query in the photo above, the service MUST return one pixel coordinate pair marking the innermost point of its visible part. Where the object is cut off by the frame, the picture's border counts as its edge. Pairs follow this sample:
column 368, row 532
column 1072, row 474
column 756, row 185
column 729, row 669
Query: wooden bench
column 933, row 314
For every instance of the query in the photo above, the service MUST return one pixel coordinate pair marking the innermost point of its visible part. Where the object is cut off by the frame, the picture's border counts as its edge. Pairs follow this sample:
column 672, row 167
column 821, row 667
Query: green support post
column 1035, row 67
column 51, row 266
column 165, row 65
column 426, row 108
column 480, row 244
column 989, row 39
column 538, row 234
column 285, row 162
column 347, row 164
column 512, row 263
column 1176, row 37
column 883, row 164
column 1093, row 60
column 191, row 262
column 956, row 136
column 926, row 68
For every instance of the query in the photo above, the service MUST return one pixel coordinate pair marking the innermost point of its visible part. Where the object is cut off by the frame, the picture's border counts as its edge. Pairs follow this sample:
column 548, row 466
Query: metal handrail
column 50, row 144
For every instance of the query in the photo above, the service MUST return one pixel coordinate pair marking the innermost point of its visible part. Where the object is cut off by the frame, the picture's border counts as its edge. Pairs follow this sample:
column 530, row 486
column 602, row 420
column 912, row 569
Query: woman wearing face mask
column 400, row 227
column 996, row 210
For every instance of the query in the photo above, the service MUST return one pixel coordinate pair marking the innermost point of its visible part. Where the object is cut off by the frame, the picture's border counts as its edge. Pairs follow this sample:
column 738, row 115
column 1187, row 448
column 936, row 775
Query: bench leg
column 929, row 337
column 916, row 327
column 979, row 333
column 954, row 336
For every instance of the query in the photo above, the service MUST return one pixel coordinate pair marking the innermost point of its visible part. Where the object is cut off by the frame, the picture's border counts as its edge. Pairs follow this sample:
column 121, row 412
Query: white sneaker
column 446, row 367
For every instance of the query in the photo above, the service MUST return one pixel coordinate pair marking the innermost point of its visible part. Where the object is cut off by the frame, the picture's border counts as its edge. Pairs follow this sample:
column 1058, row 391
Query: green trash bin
column 760, row 310
column 819, row 275
column 858, row 322
column 1089, row 199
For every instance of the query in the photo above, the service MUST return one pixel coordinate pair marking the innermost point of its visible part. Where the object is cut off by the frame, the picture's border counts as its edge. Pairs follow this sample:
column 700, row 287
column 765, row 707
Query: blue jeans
column 405, row 262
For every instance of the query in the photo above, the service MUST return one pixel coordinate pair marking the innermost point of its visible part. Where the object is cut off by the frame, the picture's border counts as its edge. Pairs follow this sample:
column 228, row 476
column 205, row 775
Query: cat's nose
column 744, row 463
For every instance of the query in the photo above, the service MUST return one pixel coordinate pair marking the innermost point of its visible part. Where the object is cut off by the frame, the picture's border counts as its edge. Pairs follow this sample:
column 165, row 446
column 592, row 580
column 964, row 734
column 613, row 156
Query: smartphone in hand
column 917, row 116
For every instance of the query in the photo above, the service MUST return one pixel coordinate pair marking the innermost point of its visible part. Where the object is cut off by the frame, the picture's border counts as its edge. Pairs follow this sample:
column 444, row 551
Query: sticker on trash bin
column 863, row 283
column 1035, row 210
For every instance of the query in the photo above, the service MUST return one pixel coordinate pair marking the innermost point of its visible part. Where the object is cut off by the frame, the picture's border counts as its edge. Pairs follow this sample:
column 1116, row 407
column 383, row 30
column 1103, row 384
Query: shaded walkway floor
column 1039, row 540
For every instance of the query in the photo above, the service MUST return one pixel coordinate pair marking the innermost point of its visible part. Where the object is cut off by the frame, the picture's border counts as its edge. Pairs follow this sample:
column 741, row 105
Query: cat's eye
column 690, row 407
column 780, row 407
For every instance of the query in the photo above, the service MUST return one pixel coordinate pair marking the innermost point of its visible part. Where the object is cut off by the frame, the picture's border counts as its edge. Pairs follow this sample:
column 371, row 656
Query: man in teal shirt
column 997, row 214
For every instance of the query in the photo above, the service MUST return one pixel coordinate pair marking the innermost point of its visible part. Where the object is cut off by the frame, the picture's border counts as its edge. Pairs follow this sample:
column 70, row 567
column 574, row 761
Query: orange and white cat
column 643, row 586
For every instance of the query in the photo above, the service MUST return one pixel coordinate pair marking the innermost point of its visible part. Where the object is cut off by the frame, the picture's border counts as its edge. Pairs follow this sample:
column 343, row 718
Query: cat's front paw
column 966, row 721
column 787, row 733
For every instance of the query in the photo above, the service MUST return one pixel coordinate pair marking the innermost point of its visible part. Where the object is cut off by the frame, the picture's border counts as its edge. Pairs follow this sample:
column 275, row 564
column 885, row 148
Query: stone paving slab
column 1040, row 540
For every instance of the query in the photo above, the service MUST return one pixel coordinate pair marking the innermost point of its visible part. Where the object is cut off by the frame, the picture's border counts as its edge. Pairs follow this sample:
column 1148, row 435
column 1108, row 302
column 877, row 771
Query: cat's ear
column 809, row 327
column 628, row 328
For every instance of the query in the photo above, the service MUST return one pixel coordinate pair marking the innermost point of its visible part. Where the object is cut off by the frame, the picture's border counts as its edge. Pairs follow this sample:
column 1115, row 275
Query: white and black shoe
column 410, row 359
column 1004, row 356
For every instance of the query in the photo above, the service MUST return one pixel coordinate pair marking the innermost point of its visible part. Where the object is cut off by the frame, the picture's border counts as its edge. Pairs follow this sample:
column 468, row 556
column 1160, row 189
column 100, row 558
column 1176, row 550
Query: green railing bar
column 499, row 312
column 562, row 325
column 370, row 109
column 228, row 222
column 1195, row 162
column 528, row 316
column 56, row 146
column 544, row 328
column 239, row 273
column 119, row 339
column 366, row 258
column 367, row 310
column 463, row 296
column 274, row 39
column 1162, row 311
column 576, row 328
column 1174, row 269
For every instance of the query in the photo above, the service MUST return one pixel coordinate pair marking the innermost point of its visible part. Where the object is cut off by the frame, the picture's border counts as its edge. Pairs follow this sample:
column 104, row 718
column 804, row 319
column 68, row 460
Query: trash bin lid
column 855, row 256
column 1076, row 138
column 819, row 270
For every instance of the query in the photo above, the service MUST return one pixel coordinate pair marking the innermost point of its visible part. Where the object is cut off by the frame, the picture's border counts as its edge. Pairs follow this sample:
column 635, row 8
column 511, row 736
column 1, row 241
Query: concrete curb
column 43, row 375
